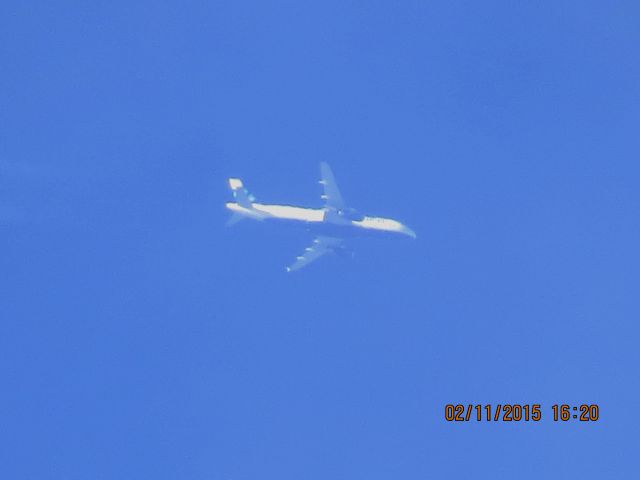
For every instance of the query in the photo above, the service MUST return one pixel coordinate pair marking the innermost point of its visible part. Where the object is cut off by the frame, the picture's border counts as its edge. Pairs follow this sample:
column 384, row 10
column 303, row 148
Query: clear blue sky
column 140, row 338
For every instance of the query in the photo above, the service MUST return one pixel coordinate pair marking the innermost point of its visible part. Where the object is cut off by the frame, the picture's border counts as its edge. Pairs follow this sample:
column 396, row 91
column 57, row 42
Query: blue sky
column 140, row 338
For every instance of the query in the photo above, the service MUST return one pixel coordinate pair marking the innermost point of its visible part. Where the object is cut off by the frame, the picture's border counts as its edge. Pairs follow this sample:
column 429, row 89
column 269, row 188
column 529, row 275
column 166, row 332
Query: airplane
column 333, row 222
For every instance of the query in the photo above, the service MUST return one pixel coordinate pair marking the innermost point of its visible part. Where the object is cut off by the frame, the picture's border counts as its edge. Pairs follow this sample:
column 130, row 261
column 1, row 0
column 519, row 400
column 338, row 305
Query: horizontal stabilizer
column 235, row 218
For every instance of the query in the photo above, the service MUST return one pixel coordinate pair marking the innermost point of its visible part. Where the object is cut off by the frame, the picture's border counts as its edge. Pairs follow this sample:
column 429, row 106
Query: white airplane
column 333, row 221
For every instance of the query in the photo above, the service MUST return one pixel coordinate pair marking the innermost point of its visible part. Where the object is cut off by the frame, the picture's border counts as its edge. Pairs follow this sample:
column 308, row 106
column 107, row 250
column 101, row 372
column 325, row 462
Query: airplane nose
column 407, row 231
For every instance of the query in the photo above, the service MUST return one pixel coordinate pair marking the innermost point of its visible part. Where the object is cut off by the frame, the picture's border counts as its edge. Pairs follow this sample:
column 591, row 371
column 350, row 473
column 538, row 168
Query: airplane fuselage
column 321, row 218
column 331, row 223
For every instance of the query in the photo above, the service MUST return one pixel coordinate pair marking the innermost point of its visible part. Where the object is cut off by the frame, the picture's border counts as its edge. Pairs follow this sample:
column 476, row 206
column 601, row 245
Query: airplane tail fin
column 241, row 194
column 243, row 199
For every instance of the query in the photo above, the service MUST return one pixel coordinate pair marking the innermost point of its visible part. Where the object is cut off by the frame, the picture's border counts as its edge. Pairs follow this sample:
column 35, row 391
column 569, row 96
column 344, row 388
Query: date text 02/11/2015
column 519, row 412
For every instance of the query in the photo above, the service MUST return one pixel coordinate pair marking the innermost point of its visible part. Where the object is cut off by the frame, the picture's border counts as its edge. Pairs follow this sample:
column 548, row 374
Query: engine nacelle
column 343, row 216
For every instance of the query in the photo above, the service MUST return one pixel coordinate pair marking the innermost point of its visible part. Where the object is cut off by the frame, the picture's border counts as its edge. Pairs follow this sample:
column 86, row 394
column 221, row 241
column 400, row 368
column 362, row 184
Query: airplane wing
column 332, row 197
column 321, row 245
